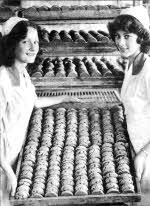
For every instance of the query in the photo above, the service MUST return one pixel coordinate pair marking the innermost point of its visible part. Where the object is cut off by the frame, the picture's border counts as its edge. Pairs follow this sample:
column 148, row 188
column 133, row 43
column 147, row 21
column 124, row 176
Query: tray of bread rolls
column 77, row 71
column 55, row 12
column 75, row 41
column 72, row 36
column 76, row 154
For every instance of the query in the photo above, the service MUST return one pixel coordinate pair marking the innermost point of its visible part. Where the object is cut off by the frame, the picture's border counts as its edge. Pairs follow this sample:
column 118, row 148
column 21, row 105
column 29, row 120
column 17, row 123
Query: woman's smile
column 122, row 50
column 31, row 54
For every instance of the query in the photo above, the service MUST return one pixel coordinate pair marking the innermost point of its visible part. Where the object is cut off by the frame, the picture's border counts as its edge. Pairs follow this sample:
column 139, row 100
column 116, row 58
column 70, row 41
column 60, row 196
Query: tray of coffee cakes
column 77, row 154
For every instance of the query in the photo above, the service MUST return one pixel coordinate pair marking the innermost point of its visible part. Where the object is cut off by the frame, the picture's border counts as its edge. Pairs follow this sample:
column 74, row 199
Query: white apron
column 16, row 105
column 135, row 95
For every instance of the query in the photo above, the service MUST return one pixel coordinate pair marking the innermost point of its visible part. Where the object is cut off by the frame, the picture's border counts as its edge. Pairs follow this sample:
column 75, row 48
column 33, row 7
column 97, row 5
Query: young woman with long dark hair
column 19, row 46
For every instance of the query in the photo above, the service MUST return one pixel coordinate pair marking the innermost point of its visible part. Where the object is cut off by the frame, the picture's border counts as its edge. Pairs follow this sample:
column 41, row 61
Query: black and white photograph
column 75, row 102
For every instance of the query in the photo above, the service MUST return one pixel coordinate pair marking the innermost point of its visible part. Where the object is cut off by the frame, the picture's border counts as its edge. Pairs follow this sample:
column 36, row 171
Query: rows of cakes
column 76, row 67
column 80, row 36
column 73, row 7
column 76, row 152
column 77, row 11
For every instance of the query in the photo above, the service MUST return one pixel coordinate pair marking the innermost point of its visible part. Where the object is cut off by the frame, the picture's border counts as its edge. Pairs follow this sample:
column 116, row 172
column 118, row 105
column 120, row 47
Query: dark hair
column 129, row 24
column 10, row 41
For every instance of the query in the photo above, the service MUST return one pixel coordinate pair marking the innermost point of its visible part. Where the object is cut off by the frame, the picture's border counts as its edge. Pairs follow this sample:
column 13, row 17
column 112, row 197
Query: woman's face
column 127, row 43
column 28, row 48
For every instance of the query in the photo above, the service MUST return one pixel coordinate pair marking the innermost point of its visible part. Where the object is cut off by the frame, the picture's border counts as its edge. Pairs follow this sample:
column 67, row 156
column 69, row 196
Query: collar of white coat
column 139, row 62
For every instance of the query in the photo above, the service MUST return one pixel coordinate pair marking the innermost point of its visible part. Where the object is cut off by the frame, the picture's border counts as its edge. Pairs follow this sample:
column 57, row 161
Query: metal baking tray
column 112, row 199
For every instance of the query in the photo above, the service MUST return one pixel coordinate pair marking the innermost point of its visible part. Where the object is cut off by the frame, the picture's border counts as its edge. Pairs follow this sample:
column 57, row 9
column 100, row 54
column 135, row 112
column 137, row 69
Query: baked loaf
column 76, row 37
column 5, row 12
column 37, row 68
column 59, row 68
column 45, row 36
column 54, row 36
column 91, row 67
column 114, row 68
column 65, row 8
column 70, row 68
column 65, row 36
column 48, row 68
column 103, row 69
column 87, row 36
column 104, row 33
column 30, row 12
column 99, row 37
column 81, row 68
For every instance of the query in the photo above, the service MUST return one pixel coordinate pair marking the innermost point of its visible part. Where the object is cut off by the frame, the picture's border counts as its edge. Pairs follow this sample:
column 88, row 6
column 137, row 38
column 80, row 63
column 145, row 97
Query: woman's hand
column 49, row 101
column 67, row 98
column 139, row 163
column 11, row 182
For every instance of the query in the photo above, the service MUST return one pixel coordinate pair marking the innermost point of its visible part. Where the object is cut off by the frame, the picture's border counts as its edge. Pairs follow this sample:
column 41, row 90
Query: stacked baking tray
column 70, row 12
column 62, row 72
column 76, row 42
column 76, row 154
column 76, row 67
column 73, row 15
column 80, row 36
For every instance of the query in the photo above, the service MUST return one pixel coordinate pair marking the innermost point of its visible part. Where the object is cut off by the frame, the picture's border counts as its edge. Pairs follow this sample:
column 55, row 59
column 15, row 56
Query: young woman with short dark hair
column 130, row 31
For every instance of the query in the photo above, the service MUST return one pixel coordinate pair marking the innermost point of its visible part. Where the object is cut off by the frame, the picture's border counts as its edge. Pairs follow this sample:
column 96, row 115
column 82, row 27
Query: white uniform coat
column 16, row 105
column 135, row 95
